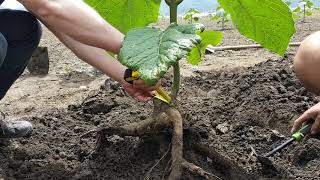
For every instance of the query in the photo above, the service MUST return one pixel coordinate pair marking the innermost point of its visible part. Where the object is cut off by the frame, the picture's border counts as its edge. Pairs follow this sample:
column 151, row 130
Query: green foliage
column 191, row 15
column 269, row 22
column 305, row 8
column 221, row 17
column 207, row 38
column 152, row 51
column 127, row 14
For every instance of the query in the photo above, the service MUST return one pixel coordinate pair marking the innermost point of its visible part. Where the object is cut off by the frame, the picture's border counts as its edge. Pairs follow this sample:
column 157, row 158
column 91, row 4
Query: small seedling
column 221, row 17
column 304, row 9
column 192, row 15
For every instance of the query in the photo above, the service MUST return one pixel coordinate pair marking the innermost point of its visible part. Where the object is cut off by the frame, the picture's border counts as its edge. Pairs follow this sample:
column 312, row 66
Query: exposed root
column 134, row 129
column 177, row 143
column 226, row 165
column 194, row 169
column 138, row 129
column 164, row 117
column 166, row 169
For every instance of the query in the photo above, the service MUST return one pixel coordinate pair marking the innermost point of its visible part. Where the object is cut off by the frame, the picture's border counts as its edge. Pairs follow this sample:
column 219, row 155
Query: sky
column 202, row 5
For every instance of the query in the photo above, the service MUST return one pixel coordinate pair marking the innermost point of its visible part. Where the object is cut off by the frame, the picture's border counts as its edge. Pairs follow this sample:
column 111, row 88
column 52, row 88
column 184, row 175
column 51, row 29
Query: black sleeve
column 1, row 1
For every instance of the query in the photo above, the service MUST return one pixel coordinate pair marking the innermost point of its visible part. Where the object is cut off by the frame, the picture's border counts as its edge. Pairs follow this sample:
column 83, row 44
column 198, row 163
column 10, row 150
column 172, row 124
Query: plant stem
column 222, row 23
column 304, row 13
column 173, row 4
column 173, row 11
column 176, row 80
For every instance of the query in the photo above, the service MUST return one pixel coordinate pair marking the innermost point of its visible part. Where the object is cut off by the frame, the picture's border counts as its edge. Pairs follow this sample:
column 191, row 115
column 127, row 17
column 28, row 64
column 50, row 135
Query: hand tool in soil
column 297, row 136
column 160, row 94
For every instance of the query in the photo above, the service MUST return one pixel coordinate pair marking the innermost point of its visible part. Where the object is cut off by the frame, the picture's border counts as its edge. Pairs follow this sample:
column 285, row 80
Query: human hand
column 312, row 113
column 139, row 90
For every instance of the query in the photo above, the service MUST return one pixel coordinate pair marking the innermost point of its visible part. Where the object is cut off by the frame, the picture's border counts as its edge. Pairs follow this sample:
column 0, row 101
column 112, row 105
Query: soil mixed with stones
column 230, row 111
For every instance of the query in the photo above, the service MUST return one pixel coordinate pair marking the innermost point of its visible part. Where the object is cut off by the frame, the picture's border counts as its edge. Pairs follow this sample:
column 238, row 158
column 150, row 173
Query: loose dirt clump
column 224, row 114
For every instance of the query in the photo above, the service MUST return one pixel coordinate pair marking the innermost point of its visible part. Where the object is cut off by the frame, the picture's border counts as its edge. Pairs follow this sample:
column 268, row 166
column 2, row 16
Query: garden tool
column 297, row 136
column 160, row 94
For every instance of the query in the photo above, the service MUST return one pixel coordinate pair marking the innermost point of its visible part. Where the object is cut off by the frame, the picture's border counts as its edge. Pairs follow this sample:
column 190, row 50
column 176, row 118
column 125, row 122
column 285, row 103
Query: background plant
column 304, row 9
column 221, row 17
column 192, row 15
column 152, row 51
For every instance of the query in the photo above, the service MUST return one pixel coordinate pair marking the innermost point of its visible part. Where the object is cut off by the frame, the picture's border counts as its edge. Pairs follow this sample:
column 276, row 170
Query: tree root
column 164, row 117
column 226, row 165
column 194, row 169
column 177, row 143
column 145, row 128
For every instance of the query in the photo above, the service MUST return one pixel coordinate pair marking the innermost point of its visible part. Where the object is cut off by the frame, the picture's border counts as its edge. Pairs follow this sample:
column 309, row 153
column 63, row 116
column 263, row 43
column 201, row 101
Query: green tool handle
column 299, row 135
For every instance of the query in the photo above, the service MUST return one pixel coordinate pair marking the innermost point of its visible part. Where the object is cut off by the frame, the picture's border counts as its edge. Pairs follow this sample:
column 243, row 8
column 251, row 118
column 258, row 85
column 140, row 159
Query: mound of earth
column 230, row 111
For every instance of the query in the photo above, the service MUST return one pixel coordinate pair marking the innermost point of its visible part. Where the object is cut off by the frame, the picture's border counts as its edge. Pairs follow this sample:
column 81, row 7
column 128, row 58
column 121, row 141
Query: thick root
column 164, row 118
column 194, row 169
column 177, row 144
column 146, row 128
column 225, row 163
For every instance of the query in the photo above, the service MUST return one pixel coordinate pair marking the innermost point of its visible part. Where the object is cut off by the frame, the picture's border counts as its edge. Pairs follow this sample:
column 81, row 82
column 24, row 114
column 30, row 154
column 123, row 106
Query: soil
column 233, row 100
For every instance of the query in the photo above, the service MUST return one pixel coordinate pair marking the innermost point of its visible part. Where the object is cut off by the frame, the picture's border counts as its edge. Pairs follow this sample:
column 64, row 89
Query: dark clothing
column 20, row 33
column 3, row 48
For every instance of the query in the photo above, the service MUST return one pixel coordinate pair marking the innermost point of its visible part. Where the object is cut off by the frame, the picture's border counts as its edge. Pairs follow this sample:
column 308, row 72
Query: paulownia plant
column 304, row 9
column 192, row 15
column 152, row 52
column 221, row 17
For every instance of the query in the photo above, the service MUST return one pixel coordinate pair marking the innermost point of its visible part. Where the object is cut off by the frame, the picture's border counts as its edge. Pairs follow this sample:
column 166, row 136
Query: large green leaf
column 127, row 14
column 207, row 37
column 269, row 22
column 152, row 51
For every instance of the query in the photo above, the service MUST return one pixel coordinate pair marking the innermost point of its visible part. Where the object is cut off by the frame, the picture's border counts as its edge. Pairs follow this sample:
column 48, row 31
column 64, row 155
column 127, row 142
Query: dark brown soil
column 229, row 111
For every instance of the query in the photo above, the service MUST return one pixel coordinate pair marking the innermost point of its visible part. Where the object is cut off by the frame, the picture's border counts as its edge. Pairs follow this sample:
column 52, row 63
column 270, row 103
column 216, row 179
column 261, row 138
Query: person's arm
column 101, row 60
column 96, row 57
column 82, row 30
column 77, row 20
